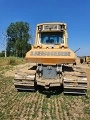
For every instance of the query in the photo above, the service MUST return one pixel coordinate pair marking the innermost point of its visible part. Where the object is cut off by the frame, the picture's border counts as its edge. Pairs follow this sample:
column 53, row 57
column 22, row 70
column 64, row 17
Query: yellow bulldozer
column 85, row 59
column 52, row 63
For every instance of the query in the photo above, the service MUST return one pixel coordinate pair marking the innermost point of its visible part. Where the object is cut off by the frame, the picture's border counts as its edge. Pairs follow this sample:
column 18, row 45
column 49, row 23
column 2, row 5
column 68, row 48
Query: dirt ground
column 42, row 104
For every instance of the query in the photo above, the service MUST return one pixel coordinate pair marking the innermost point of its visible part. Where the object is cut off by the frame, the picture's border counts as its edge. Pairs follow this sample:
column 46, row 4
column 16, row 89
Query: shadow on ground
column 51, row 91
column 48, row 92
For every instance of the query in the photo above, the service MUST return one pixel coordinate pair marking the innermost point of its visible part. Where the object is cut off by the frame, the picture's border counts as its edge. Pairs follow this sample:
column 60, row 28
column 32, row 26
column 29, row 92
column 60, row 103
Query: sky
column 76, row 13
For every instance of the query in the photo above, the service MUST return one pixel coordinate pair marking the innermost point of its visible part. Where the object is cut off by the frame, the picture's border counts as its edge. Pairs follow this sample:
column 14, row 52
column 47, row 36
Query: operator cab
column 51, row 34
column 51, row 38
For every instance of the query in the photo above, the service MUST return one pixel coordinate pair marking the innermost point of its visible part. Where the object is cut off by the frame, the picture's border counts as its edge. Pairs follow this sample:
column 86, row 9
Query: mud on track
column 41, row 105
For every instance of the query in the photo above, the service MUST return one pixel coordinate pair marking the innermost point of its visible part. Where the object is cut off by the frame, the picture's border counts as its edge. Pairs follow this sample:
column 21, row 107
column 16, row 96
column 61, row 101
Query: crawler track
column 75, row 80
column 25, row 78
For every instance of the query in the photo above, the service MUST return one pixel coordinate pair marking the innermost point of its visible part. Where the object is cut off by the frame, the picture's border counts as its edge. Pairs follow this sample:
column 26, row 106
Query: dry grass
column 11, row 61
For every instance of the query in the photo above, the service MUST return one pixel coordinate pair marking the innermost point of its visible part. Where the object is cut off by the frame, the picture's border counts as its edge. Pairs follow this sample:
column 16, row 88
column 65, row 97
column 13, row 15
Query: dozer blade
column 75, row 82
column 24, row 81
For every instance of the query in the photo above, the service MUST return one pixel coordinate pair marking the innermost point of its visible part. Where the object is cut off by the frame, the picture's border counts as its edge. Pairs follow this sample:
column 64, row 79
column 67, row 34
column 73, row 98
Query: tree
column 18, row 39
column 2, row 54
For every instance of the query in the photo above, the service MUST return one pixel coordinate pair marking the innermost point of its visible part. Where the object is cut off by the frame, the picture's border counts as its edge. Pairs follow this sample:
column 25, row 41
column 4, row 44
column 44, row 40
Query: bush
column 12, row 61
column 2, row 54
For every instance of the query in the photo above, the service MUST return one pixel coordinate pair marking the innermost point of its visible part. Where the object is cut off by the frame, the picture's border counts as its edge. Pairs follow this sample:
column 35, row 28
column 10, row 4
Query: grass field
column 11, row 61
column 40, row 105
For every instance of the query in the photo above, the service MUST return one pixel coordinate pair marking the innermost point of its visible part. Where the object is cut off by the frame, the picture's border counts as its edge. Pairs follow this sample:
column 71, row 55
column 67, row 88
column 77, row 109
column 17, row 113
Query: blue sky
column 76, row 13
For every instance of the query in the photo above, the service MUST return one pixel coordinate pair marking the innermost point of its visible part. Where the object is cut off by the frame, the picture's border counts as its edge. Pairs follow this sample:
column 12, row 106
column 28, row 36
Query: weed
column 87, row 110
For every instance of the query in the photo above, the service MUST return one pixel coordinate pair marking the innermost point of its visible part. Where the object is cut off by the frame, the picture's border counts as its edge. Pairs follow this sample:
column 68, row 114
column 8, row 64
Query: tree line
column 18, row 39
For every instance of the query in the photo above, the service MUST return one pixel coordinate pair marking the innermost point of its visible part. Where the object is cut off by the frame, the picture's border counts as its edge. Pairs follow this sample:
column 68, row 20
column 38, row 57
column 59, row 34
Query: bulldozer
column 52, row 62
column 85, row 59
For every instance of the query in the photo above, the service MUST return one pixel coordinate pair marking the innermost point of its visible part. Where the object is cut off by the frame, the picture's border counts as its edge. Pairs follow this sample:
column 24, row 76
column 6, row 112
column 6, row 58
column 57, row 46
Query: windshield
column 51, row 38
